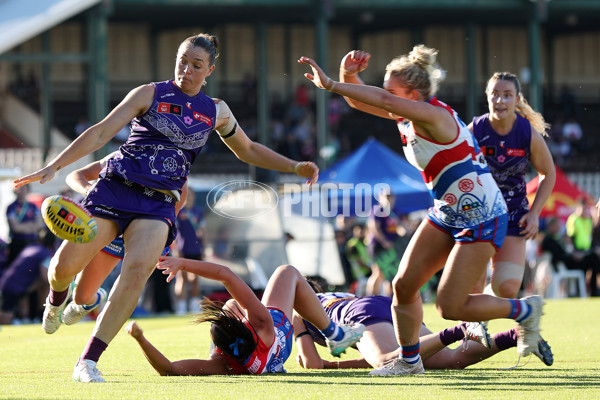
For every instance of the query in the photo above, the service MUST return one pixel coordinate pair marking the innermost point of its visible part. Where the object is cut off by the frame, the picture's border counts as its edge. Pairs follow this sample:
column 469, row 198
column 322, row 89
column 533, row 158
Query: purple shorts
column 367, row 311
column 493, row 231
column 513, row 222
column 122, row 204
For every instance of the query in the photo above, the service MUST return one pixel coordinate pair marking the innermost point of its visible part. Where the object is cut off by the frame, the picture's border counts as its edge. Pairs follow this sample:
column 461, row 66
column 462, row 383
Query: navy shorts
column 119, row 203
column 116, row 248
column 493, row 231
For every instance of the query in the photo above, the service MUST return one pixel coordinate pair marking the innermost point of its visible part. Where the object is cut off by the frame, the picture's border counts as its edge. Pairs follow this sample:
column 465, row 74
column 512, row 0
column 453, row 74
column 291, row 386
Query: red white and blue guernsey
column 267, row 359
column 165, row 140
column 456, row 174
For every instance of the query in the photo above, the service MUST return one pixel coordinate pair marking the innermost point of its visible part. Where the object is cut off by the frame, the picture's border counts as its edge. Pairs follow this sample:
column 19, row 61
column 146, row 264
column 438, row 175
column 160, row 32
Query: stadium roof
column 20, row 20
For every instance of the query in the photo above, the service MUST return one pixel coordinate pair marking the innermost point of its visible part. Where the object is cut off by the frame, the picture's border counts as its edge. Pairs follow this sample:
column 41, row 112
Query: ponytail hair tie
column 235, row 346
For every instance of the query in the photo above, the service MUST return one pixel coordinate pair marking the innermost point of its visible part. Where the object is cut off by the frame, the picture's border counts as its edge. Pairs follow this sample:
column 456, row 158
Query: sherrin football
column 69, row 220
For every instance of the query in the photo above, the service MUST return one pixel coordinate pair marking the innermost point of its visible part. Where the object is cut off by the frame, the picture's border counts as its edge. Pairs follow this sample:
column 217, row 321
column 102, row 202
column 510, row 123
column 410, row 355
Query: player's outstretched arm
column 256, row 312
column 162, row 365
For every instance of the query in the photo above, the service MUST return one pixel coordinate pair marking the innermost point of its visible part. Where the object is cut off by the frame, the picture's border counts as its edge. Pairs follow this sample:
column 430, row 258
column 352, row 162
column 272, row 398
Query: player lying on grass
column 379, row 345
column 255, row 338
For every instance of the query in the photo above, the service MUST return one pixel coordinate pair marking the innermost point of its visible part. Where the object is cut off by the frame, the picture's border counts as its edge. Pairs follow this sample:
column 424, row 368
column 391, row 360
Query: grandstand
column 73, row 58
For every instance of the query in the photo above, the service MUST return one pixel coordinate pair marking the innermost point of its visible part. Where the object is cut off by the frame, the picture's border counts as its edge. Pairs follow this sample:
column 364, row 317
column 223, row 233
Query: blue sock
column 333, row 332
column 520, row 310
column 90, row 307
column 410, row 354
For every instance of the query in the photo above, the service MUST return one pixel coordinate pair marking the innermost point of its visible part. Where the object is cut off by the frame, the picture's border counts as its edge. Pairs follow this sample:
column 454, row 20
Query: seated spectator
column 554, row 243
column 22, row 275
column 24, row 221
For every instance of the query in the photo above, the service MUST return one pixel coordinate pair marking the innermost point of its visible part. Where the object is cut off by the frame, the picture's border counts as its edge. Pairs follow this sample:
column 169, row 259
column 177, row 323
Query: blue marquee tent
column 374, row 163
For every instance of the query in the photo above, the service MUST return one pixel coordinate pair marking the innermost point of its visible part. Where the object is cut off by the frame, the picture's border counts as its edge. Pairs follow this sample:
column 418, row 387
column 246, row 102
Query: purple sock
column 57, row 298
column 506, row 340
column 94, row 349
column 452, row 335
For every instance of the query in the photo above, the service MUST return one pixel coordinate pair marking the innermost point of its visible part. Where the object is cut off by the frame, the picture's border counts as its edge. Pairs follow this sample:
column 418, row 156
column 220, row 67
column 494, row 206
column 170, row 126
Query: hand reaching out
column 307, row 169
column 318, row 77
column 354, row 62
column 170, row 266
column 43, row 175
column 134, row 330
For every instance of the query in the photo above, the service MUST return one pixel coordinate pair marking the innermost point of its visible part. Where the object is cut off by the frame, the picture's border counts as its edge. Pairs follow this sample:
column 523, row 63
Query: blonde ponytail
column 535, row 118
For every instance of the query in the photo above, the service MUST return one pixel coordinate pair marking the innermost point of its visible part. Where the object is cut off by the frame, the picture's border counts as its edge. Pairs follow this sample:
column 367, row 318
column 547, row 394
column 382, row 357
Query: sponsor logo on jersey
column 168, row 108
column 202, row 118
column 515, row 152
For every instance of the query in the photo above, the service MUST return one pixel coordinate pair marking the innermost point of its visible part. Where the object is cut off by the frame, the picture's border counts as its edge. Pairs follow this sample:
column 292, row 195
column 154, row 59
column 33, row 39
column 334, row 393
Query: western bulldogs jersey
column 165, row 140
column 507, row 157
column 456, row 173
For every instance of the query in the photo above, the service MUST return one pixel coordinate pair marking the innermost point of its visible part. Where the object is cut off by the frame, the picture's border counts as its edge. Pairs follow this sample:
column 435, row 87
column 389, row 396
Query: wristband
column 332, row 87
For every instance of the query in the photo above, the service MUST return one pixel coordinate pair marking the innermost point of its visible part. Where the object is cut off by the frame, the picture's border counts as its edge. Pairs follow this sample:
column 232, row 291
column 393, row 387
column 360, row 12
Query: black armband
column 230, row 134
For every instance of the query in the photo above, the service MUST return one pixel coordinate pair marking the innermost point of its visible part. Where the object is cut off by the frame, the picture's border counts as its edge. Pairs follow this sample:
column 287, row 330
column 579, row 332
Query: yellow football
column 69, row 220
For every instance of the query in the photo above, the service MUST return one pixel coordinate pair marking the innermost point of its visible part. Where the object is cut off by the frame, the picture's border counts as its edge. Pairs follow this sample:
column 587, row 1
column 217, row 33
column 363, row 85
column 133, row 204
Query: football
column 69, row 220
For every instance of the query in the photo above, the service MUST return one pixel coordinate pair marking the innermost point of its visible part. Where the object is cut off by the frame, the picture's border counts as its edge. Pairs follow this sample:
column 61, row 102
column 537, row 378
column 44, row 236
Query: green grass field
column 34, row 365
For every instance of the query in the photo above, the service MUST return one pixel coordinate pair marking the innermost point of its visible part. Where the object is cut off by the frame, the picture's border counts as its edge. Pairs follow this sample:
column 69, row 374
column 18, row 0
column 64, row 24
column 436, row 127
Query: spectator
column 22, row 275
column 554, row 243
column 24, row 221
column 572, row 132
column 580, row 227
column 357, row 253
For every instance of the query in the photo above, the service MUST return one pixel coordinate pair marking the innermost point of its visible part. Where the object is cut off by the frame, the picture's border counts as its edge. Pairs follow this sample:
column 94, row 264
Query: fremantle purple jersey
column 165, row 140
column 507, row 157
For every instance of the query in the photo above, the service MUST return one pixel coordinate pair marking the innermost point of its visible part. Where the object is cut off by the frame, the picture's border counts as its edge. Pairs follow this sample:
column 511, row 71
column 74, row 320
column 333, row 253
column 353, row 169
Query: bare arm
column 308, row 356
column 214, row 366
column 81, row 179
column 429, row 121
column 541, row 160
column 257, row 313
column 134, row 104
column 352, row 64
column 255, row 153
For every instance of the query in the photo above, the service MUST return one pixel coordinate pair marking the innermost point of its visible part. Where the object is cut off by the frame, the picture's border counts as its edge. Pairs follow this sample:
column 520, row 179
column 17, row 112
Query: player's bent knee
column 509, row 289
column 404, row 292
column 449, row 311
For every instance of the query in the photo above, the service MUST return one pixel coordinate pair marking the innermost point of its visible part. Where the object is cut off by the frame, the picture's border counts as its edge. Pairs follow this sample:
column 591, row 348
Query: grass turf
column 34, row 365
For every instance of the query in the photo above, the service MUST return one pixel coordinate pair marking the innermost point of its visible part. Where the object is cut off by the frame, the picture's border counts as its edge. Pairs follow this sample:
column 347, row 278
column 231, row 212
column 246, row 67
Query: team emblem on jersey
column 489, row 151
column 465, row 185
column 168, row 108
column 450, row 199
